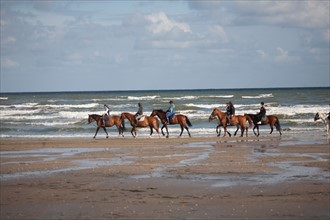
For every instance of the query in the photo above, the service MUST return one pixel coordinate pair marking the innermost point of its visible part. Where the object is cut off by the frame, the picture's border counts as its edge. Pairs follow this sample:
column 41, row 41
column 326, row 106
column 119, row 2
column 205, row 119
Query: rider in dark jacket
column 230, row 110
column 262, row 112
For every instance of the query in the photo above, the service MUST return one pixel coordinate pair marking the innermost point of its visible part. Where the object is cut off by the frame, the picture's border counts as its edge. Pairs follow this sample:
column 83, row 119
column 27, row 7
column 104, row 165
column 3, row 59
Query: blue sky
column 137, row 45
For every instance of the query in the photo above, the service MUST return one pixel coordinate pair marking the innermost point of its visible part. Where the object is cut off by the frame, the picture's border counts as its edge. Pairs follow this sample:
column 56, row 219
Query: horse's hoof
column 107, row 137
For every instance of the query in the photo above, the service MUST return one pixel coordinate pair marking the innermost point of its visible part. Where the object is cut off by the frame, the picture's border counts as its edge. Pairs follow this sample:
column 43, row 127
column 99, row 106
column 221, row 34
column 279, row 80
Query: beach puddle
column 53, row 154
column 288, row 167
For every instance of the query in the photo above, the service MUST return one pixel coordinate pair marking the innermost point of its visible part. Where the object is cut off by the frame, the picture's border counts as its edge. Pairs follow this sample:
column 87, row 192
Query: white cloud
column 218, row 30
column 283, row 56
column 8, row 63
column 326, row 35
column 75, row 58
column 262, row 54
column 160, row 23
column 170, row 44
column 9, row 40
column 307, row 14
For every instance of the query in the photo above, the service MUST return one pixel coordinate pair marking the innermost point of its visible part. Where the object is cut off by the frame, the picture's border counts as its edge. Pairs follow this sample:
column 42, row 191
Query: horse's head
column 157, row 112
column 123, row 116
column 317, row 117
column 90, row 119
column 213, row 114
column 153, row 113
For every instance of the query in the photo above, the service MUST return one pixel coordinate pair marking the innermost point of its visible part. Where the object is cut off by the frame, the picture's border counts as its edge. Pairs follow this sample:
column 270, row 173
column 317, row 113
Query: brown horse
column 177, row 119
column 114, row 120
column 152, row 122
column 237, row 120
column 270, row 119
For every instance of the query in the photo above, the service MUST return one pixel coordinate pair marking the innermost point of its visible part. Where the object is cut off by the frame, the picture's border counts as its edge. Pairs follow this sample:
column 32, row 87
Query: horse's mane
column 159, row 110
column 94, row 115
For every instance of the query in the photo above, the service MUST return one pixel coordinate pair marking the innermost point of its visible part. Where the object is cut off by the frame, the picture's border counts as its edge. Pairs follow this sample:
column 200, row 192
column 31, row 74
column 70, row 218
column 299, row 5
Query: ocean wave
column 69, row 106
column 208, row 106
column 17, row 112
column 270, row 95
column 142, row 97
column 3, row 98
column 24, row 105
column 55, row 123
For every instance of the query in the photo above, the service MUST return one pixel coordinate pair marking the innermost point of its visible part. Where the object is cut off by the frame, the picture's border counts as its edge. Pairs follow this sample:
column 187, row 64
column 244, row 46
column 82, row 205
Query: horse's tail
column 277, row 124
column 249, row 120
column 123, row 124
column 188, row 122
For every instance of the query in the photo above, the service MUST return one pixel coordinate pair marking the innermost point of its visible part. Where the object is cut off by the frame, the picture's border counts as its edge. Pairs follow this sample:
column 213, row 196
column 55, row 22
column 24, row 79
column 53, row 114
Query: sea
column 64, row 114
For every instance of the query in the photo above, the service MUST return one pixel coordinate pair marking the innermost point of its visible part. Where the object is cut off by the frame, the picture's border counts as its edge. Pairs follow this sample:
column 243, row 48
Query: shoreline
column 176, row 178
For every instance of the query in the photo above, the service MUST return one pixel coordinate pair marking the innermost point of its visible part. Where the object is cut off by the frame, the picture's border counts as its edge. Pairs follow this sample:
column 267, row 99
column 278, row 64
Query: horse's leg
column 164, row 125
column 242, row 131
column 132, row 132
column 181, row 130
column 217, row 130
column 120, row 131
column 258, row 131
column 162, row 129
column 157, row 130
column 105, row 130
column 236, row 130
column 271, row 128
column 97, row 130
column 256, row 127
column 151, row 131
column 188, row 131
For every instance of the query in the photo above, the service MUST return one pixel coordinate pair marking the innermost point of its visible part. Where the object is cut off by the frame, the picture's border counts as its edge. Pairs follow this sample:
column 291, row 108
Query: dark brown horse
column 114, row 120
column 237, row 120
column 152, row 122
column 270, row 119
column 177, row 119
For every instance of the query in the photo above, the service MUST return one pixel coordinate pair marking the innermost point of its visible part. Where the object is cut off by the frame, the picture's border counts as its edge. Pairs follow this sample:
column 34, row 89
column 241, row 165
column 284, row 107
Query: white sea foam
column 258, row 96
column 17, row 112
column 66, row 106
column 208, row 106
column 3, row 98
column 23, row 105
column 142, row 97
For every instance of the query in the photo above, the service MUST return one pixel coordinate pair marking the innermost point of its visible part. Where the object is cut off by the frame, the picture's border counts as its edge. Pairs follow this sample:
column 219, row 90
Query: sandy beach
column 269, row 177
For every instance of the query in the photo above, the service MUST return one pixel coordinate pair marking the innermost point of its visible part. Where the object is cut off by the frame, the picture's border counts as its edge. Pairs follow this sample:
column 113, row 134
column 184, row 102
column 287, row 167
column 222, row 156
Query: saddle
column 172, row 117
column 140, row 118
column 106, row 118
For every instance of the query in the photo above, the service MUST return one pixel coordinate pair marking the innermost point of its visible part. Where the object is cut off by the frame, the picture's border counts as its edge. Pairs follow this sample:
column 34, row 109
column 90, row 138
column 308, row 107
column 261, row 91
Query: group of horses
column 240, row 121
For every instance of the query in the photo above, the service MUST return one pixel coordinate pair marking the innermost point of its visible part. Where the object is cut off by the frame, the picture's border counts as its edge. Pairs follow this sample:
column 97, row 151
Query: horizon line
column 150, row 90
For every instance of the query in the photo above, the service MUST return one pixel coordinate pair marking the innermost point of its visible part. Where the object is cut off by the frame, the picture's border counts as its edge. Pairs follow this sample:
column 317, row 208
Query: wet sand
column 177, row 178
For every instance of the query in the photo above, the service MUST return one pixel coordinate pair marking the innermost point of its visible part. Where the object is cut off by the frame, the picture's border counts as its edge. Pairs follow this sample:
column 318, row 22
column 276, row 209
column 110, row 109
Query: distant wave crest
column 270, row 95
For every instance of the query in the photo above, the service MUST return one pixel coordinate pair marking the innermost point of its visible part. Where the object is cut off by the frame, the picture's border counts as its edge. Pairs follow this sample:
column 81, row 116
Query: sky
column 147, row 45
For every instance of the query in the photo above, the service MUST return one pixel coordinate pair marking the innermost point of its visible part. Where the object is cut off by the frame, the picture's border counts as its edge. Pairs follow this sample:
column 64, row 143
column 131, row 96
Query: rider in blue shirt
column 170, row 112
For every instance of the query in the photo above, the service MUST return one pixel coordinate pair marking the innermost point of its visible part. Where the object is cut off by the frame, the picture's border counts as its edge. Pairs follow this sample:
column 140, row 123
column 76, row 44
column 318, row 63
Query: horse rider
column 139, row 113
column 106, row 114
column 170, row 112
column 230, row 110
column 262, row 112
